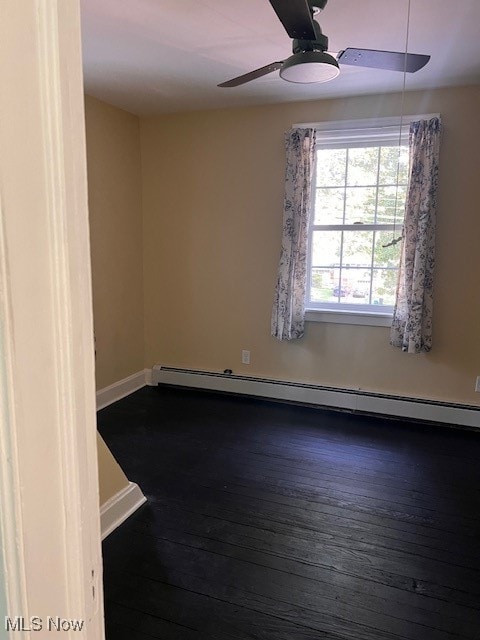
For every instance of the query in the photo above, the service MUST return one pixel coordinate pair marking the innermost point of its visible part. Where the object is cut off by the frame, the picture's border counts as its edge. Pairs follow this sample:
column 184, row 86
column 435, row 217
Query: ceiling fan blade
column 252, row 75
column 296, row 17
column 389, row 60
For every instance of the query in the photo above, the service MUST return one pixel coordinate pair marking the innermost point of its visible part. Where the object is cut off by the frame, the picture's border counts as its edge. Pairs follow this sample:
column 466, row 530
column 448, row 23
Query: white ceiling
column 158, row 56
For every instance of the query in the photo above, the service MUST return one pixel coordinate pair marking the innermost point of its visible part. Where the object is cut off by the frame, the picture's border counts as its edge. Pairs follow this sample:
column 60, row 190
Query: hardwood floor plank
column 119, row 632
column 222, row 564
column 208, row 613
column 138, row 621
column 314, row 561
column 340, row 505
column 401, row 488
column 277, row 521
column 349, row 534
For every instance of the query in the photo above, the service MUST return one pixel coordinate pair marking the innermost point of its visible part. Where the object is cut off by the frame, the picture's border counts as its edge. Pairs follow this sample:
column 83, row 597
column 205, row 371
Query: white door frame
column 49, row 515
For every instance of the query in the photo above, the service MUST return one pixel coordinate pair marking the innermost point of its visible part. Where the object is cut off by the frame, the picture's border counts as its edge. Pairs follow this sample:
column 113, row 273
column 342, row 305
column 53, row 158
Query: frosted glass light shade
column 310, row 66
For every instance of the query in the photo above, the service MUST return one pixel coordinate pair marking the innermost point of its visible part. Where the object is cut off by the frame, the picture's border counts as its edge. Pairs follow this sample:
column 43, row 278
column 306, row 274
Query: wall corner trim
column 118, row 390
column 119, row 507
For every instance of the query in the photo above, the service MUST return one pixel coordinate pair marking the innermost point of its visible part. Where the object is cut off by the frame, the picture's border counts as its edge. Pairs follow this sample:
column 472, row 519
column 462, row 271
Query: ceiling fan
column 310, row 61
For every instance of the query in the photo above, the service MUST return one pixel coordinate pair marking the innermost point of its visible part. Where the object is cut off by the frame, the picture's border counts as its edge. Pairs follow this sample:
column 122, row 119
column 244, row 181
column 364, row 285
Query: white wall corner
column 119, row 507
column 149, row 378
column 118, row 390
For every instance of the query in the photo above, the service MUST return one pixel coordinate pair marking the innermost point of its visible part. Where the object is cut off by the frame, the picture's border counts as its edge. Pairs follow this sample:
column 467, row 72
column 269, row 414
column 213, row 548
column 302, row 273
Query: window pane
column 391, row 160
column 326, row 286
column 329, row 206
column 362, row 166
column 384, row 286
column 331, row 165
column 357, row 186
column 323, row 282
column 337, row 292
column 344, row 291
column 387, row 256
column 391, row 205
column 326, row 248
column 357, row 248
column 360, row 205
column 356, row 285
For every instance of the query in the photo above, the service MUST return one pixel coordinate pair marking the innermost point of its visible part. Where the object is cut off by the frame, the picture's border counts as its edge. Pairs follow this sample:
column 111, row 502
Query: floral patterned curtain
column 412, row 317
column 288, row 314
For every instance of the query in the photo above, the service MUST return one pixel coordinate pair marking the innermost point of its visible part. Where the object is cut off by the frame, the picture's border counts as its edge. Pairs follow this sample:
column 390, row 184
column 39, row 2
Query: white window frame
column 393, row 131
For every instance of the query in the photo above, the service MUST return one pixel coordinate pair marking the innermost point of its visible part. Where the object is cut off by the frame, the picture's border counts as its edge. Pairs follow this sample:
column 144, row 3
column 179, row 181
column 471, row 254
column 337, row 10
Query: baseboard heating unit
column 354, row 400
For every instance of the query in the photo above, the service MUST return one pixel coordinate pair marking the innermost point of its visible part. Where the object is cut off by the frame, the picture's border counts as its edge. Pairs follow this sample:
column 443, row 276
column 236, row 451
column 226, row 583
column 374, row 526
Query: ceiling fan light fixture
column 309, row 66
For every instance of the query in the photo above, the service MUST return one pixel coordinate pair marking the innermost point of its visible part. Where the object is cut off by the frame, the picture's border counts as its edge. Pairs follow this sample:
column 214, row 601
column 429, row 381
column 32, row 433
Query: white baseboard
column 119, row 507
column 330, row 397
column 122, row 388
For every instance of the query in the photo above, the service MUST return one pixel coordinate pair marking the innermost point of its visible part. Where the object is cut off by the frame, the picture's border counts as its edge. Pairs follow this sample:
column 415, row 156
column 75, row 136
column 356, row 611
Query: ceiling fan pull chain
column 395, row 239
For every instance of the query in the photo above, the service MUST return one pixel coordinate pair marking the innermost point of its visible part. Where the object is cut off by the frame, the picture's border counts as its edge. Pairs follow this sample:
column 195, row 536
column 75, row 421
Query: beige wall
column 115, row 211
column 115, row 205
column 212, row 198
column 111, row 477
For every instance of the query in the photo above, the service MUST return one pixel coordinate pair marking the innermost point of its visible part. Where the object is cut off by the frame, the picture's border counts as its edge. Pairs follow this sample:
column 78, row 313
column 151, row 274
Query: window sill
column 349, row 317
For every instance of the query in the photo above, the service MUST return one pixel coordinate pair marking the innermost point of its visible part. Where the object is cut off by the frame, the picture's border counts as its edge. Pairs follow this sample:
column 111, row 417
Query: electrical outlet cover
column 245, row 356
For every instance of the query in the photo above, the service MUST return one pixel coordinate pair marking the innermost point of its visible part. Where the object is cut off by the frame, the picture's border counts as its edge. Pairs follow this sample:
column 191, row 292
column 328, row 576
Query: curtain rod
column 379, row 123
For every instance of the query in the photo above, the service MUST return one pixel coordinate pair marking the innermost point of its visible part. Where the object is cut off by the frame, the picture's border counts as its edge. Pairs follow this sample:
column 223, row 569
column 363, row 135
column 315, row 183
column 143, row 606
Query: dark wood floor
column 288, row 523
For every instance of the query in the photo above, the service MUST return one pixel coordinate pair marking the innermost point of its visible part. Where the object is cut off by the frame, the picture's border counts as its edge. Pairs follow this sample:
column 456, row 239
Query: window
column 359, row 191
